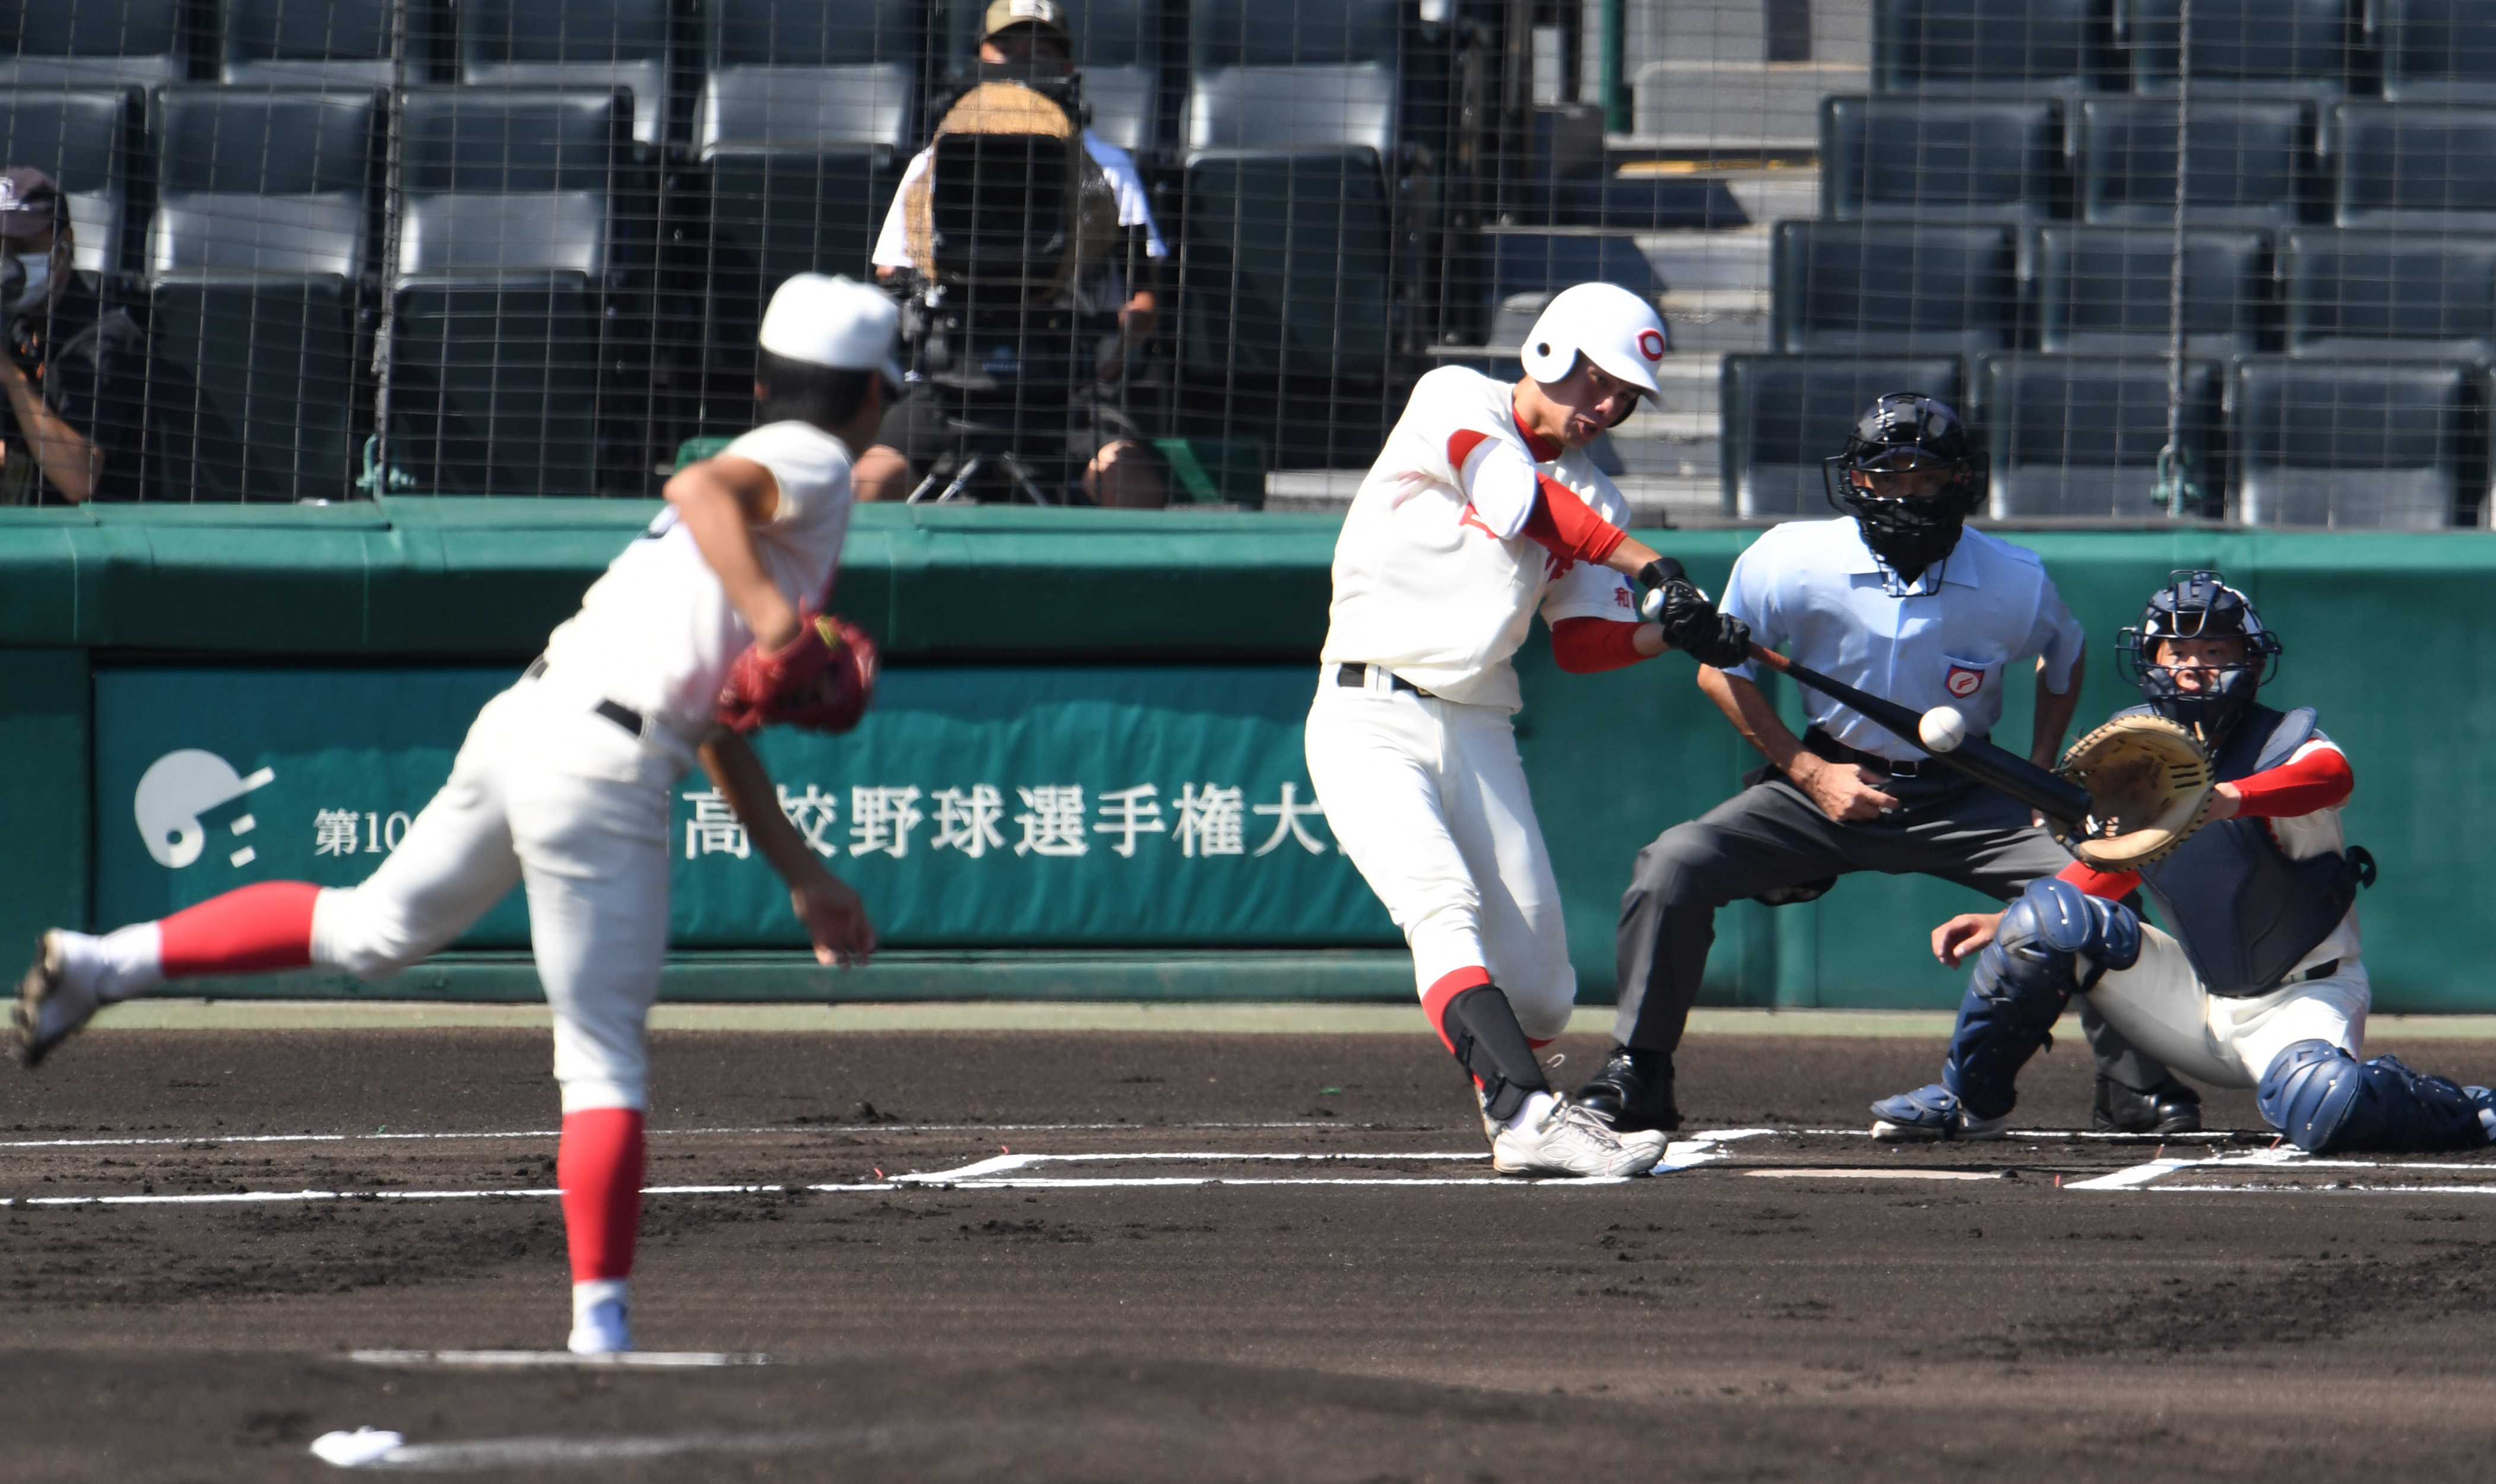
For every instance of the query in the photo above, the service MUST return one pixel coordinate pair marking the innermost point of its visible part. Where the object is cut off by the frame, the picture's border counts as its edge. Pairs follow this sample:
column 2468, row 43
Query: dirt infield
column 1088, row 1256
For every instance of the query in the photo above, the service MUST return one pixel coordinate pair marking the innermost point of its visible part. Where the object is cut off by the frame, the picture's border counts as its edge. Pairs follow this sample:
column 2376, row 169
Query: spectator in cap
column 1119, row 470
column 74, row 373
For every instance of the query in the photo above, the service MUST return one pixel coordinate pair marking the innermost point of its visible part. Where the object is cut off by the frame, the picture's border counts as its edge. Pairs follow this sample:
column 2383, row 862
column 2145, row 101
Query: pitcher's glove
column 1689, row 619
column 2150, row 784
column 822, row 680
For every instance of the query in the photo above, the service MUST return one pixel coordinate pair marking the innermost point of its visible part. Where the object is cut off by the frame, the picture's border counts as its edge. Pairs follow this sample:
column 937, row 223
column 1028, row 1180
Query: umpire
column 1903, row 602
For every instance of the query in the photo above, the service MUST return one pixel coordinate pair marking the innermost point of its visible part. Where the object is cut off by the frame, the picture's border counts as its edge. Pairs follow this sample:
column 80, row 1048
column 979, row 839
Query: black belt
column 621, row 715
column 2321, row 971
column 1823, row 745
column 1356, row 677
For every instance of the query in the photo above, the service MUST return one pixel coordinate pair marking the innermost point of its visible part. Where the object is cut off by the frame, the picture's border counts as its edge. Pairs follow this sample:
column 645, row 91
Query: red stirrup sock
column 246, row 931
column 599, row 1167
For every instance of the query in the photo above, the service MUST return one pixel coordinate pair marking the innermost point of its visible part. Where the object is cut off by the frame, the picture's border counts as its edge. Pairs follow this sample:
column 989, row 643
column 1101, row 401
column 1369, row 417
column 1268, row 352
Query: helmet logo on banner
column 180, row 786
column 1650, row 345
column 1963, row 682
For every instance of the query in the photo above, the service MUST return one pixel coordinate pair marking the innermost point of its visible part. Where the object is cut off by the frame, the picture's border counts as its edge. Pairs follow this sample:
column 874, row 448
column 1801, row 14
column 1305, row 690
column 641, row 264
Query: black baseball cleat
column 2171, row 1107
column 1632, row 1092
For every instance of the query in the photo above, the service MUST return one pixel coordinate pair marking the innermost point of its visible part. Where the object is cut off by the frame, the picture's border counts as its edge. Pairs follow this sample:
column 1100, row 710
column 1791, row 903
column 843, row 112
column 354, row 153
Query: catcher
column 2258, row 982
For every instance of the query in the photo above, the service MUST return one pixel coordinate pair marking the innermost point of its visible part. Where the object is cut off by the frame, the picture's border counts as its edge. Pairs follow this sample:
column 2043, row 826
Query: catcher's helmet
column 2199, row 604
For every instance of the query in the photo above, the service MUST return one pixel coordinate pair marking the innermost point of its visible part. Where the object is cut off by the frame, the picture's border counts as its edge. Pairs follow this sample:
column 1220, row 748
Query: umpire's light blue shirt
column 1813, row 589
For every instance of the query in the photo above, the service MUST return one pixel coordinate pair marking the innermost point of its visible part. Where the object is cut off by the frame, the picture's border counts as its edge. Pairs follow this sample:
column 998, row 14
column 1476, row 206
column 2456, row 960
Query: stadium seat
column 803, row 124
column 1528, row 266
column 2248, row 162
column 1888, row 157
column 1783, row 416
column 2413, row 166
column 2435, row 51
column 514, row 260
column 2075, row 436
column 252, row 386
column 599, row 43
column 513, row 182
column 1980, row 46
column 93, row 142
column 322, row 42
column 1893, row 289
column 494, row 384
column 2388, row 294
column 1290, row 132
column 1119, row 49
column 2384, row 445
column 93, row 43
column 2243, row 47
column 2102, row 290
column 264, row 182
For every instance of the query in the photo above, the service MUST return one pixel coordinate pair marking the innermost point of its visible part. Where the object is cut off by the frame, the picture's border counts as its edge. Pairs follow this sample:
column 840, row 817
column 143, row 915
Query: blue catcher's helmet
column 2199, row 604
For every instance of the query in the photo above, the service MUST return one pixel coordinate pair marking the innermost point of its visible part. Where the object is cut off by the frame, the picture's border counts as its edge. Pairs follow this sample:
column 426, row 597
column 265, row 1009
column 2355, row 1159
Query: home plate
column 1883, row 1174
column 523, row 1359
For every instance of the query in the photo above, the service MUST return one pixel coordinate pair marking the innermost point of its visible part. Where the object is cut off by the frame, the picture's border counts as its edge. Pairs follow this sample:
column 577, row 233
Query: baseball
column 1943, row 728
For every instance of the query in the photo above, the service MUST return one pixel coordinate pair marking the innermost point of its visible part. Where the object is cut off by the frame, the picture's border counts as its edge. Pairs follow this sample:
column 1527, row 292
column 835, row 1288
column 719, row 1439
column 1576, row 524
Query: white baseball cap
column 1605, row 323
column 832, row 322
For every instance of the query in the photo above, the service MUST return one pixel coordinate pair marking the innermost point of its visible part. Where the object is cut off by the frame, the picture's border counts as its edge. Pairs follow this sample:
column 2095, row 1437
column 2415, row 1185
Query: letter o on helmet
column 1605, row 323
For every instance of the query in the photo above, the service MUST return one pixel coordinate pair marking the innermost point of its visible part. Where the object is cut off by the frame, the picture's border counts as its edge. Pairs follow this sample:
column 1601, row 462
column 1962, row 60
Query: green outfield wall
column 296, row 678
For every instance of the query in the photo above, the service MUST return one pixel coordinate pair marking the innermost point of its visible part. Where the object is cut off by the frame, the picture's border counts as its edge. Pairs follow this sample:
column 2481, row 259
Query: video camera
column 1011, row 210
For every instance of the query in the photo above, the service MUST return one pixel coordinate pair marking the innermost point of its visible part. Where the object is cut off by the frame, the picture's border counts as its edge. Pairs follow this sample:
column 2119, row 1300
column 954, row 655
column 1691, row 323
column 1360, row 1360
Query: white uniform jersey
column 657, row 632
column 1433, row 579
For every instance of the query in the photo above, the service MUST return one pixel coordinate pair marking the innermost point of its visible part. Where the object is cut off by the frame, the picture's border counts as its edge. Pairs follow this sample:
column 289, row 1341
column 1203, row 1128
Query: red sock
column 599, row 1168
column 1434, row 1000
column 246, row 931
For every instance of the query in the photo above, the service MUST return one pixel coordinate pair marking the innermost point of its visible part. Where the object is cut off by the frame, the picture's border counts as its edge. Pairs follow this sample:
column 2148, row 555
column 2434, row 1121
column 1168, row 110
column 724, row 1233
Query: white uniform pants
column 1430, row 800
column 2160, row 1006
column 547, row 793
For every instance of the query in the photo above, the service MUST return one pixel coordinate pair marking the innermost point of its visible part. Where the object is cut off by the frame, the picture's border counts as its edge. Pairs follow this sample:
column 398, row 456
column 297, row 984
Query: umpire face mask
column 1911, row 517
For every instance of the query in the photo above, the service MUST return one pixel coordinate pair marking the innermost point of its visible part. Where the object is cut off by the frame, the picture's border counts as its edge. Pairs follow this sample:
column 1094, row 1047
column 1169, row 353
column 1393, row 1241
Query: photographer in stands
column 74, row 369
column 1023, row 333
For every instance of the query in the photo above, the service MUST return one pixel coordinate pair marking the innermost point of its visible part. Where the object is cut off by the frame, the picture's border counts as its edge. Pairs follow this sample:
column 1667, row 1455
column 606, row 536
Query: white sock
column 132, row 959
column 1532, row 1110
column 586, row 1296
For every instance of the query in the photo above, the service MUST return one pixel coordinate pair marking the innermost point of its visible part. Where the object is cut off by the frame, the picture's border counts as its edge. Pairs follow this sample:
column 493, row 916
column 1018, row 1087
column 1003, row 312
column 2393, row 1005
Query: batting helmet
column 1605, row 323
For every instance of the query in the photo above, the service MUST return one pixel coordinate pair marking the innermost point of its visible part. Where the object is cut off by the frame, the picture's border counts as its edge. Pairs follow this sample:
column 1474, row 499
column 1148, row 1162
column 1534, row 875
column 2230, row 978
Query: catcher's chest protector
column 2246, row 914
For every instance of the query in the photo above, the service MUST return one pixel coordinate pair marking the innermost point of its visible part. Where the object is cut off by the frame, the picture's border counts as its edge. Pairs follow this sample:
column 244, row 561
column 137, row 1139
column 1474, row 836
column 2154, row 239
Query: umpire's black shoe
column 2171, row 1107
column 1632, row 1092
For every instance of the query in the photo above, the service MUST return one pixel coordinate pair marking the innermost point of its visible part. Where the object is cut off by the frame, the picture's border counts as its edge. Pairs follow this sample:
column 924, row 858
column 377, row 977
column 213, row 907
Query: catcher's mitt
column 2150, row 784
column 822, row 680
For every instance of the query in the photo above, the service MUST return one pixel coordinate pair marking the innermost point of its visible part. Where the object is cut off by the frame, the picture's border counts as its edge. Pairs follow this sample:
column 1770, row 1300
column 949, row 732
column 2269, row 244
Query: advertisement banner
column 974, row 807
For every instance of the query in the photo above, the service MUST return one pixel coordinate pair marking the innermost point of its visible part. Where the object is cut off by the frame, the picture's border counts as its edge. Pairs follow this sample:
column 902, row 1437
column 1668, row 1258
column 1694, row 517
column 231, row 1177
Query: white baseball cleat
column 58, row 995
column 1568, row 1141
column 602, row 1328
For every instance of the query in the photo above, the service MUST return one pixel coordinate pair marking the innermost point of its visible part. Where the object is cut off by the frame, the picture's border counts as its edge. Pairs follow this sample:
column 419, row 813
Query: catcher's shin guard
column 1482, row 1030
column 2326, row 1099
column 2054, row 941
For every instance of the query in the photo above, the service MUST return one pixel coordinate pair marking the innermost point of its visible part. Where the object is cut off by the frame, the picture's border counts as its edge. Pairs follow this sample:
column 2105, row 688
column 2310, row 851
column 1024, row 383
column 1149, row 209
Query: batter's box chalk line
column 2151, row 1176
column 658, row 1360
column 998, row 1172
column 377, row 1449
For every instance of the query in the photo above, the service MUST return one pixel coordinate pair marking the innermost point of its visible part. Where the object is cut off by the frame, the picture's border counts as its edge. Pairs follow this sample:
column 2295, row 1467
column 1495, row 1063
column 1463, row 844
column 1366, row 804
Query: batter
column 2257, row 982
column 563, row 780
column 1482, row 510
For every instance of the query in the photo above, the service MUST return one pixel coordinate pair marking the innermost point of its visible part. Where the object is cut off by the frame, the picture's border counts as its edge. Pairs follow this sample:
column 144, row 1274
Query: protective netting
column 2175, row 260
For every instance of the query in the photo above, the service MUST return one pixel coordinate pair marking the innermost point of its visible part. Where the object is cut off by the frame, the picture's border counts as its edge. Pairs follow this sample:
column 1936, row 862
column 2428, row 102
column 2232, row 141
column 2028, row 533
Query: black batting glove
column 1721, row 641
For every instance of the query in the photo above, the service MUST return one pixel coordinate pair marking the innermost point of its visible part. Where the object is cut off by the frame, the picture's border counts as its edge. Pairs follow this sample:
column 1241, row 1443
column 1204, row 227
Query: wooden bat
column 2053, row 796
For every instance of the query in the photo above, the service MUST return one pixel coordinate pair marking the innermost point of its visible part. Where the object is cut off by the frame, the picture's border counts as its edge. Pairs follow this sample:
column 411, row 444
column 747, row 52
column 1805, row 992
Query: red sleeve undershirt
column 1587, row 646
column 2319, row 780
column 1561, row 523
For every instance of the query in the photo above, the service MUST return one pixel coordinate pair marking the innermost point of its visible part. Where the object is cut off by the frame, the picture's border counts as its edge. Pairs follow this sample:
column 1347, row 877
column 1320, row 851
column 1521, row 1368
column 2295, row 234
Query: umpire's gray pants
column 1771, row 835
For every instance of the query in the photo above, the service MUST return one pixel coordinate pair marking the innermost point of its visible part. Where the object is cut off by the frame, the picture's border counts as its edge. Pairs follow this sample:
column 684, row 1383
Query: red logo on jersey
column 1620, row 598
column 1963, row 682
column 1651, row 345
